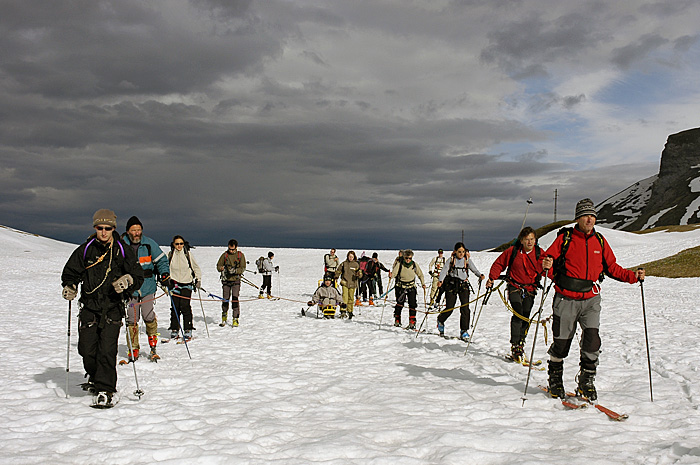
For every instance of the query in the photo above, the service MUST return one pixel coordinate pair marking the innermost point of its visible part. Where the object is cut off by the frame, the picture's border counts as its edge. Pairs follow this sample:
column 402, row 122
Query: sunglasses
column 178, row 243
column 104, row 228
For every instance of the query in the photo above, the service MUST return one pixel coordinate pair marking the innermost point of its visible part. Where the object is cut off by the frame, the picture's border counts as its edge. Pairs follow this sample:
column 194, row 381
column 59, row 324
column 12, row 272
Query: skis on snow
column 582, row 402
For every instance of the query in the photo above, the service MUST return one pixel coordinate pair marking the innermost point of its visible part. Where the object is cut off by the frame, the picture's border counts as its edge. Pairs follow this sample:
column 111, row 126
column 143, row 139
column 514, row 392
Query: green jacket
column 231, row 266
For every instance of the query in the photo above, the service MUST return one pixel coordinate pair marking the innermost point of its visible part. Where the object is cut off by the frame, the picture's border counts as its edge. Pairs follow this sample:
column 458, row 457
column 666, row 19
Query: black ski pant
column 231, row 290
column 97, row 344
column 267, row 284
column 403, row 295
column 181, row 306
column 451, row 301
column 522, row 302
column 380, row 286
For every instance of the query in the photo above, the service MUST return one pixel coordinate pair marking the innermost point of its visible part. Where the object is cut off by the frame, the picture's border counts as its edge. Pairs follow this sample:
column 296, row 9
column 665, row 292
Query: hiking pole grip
column 68, row 348
column 646, row 337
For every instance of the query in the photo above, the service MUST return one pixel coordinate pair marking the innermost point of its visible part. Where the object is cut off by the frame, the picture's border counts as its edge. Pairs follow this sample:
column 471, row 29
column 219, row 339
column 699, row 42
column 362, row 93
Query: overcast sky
column 346, row 123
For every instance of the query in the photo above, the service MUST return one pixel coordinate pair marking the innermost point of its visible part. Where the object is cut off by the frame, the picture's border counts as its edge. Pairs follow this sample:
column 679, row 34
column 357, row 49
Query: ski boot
column 556, row 384
column 133, row 355
column 397, row 321
column 234, row 323
column 358, row 303
column 261, row 296
column 585, row 387
column 88, row 386
column 371, row 302
column 411, row 322
column 224, row 317
column 343, row 314
column 269, row 296
column 441, row 329
column 173, row 334
column 464, row 335
column 517, row 352
column 188, row 335
column 102, row 399
column 152, row 342
column 350, row 315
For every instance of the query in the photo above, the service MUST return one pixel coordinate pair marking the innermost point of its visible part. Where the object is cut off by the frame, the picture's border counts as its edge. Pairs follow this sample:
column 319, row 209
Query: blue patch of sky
column 638, row 88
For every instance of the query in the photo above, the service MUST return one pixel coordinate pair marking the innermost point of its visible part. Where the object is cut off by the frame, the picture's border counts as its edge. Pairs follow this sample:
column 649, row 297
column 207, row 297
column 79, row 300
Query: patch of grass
column 685, row 264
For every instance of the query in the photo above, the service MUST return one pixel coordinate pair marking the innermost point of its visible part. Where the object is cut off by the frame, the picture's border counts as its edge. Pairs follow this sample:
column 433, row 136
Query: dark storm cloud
column 280, row 123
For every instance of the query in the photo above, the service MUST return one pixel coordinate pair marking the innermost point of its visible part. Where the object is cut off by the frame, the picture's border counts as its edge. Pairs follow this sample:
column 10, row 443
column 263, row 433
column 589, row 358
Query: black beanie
column 132, row 221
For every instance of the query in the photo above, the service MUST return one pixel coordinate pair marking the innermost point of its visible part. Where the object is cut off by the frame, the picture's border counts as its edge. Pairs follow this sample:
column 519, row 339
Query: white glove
column 121, row 284
column 70, row 292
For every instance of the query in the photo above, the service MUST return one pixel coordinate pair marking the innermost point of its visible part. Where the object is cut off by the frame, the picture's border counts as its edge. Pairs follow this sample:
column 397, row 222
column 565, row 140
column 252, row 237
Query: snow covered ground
column 288, row 389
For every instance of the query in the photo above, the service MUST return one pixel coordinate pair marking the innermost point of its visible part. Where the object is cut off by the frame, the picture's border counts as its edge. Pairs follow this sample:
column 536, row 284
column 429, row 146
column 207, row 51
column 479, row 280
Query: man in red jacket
column 580, row 256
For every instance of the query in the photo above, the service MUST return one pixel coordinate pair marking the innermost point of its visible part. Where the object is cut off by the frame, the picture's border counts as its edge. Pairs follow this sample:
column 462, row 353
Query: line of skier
column 107, row 266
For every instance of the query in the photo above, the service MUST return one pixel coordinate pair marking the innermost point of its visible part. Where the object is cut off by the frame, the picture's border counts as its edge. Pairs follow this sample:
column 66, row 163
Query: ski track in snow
column 288, row 389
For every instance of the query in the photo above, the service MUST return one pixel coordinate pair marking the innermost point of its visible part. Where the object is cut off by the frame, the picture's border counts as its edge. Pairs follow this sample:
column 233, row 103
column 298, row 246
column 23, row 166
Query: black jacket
column 96, row 266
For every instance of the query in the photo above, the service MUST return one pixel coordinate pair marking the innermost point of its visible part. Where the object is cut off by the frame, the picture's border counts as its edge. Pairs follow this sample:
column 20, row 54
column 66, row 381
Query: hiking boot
column 188, row 334
column 261, row 296
column 234, row 323
column 343, row 314
column 153, row 341
column 517, row 351
column 441, row 328
column 371, row 302
column 556, row 384
column 358, row 303
column 134, row 355
column 586, row 388
column 173, row 334
column 411, row 326
column 269, row 296
column 103, row 399
column 397, row 321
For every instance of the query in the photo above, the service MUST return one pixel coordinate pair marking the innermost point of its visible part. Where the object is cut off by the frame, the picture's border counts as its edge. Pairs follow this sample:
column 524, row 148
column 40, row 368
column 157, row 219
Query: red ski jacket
column 584, row 260
column 524, row 269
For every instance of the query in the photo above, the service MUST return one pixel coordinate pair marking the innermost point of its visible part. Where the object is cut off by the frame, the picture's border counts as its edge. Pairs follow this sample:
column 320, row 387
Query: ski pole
column 177, row 314
column 138, row 392
column 529, row 202
column 477, row 296
column 534, row 340
column 646, row 337
column 68, row 349
column 483, row 302
column 203, row 315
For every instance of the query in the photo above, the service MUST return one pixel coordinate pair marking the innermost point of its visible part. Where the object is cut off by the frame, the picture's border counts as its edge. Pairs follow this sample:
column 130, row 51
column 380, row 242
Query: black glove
column 343, row 305
column 310, row 303
column 277, row 268
column 166, row 281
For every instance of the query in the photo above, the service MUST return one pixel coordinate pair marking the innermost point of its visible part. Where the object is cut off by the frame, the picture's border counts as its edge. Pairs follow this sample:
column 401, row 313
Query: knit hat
column 132, row 221
column 104, row 216
column 375, row 255
column 585, row 207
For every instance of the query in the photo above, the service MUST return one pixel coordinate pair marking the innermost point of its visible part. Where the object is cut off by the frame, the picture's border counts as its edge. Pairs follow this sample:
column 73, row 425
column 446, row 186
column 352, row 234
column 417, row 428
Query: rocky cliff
column 670, row 198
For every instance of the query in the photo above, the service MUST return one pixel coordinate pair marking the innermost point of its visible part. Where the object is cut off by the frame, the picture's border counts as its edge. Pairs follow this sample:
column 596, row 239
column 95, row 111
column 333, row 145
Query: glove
column 310, row 303
column 121, row 284
column 197, row 284
column 166, row 281
column 70, row 292
column 343, row 305
column 277, row 268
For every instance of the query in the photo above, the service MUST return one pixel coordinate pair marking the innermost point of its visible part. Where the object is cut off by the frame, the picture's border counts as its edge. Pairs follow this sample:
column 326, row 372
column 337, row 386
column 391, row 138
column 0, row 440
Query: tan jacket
column 407, row 278
column 231, row 266
column 349, row 273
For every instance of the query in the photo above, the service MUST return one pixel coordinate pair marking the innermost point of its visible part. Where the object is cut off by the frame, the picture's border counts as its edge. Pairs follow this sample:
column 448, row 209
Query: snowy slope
column 288, row 389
